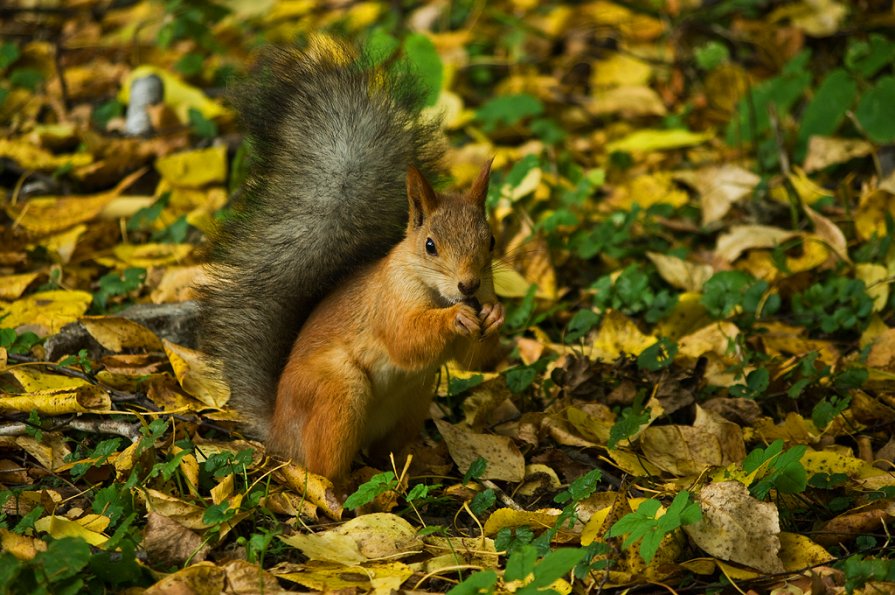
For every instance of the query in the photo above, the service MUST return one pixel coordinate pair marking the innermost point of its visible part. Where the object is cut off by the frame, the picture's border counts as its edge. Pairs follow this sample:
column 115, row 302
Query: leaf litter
column 694, row 210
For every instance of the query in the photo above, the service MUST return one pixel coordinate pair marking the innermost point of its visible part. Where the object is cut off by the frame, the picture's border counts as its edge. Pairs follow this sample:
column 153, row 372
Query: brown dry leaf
column 747, row 237
column 824, row 151
column 168, row 543
column 504, row 461
column 686, row 450
column 859, row 521
column 628, row 101
column 246, row 577
column 182, row 512
column 50, row 310
column 720, row 187
column 117, row 334
column 680, row 273
column 204, row 578
column 738, row 528
column 882, row 352
column 197, row 377
column 51, row 452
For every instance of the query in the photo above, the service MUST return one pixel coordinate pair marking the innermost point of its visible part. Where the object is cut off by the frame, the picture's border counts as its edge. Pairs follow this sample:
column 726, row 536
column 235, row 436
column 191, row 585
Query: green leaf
column 520, row 378
column 521, row 563
column 381, row 45
column 480, row 582
column 581, row 324
column 482, row 501
column 458, row 386
column 368, row 491
column 508, row 110
column 555, row 565
column 868, row 57
column 9, row 53
column 202, row 126
column 475, row 470
column 28, row 78
column 874, row 110
column 190, row 64
column 834, row 96
column 711, row 55
column 657, row 356
column 426, row 62
column 64, row 558
column 628, row 423
column 106, row 111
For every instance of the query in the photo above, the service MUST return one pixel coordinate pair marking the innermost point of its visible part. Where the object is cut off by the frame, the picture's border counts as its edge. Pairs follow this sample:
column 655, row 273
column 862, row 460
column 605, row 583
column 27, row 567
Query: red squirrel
column 343, row 280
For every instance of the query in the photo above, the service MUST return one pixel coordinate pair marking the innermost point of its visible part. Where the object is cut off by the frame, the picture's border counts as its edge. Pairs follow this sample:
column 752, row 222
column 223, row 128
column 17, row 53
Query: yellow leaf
column 20, row 546
column 152, row 255
column 875, row 277
column 870, row 216
column 798, row 552
column 50, row 214
column 49, row 309
column 64, row 243
column 195, row 374
column 509, row 283
column 508, row 517
column 31, row 157
column 13, row 286
column 647, row 141
column 59, row 527
column 117, row 334
column 34, row 379
column 621, row 70
column 354, row 578
column 194, row 169
column 86, row 399
column 619, row 335
column 178, row 95
column 648, row 190
column 315, row 488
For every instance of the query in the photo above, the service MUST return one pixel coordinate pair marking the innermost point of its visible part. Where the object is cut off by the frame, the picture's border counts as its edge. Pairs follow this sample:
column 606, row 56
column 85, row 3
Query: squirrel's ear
column 479, row 190
column 420, row 195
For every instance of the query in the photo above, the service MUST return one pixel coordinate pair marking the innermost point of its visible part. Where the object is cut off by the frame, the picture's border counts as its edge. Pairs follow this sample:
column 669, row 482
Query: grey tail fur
column 331, row 137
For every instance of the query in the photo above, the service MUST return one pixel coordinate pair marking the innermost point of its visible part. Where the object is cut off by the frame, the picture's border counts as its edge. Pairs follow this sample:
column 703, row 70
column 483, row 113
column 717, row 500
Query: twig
column 501, row 495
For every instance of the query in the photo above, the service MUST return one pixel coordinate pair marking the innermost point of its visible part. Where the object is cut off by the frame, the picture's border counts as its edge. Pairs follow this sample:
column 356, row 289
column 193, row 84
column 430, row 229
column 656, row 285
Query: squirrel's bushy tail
column 331, row 138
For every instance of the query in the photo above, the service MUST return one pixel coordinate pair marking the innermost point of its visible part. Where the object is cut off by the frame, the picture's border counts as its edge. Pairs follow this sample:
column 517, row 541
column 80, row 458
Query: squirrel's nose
column 469, row 288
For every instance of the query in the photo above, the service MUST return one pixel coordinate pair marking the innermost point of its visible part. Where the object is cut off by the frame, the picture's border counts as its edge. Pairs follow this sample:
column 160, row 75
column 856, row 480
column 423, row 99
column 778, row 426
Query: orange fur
column 361, row 372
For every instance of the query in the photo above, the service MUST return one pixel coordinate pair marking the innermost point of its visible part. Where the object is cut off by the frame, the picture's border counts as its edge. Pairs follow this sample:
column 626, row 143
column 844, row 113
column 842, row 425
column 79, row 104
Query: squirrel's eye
column 492, row 242
column 430, row 247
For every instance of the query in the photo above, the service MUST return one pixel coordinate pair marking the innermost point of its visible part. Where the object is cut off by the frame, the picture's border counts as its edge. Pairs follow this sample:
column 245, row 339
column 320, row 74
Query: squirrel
column 343, row 281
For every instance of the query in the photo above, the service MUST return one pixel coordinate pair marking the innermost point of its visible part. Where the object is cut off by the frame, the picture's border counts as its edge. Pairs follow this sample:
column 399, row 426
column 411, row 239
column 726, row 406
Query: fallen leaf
column 504, row 461
column 738, row 528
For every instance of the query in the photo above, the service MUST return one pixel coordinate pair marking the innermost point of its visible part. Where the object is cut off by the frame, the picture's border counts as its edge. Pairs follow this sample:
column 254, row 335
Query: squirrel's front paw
column 491, row 317
column 466, row 321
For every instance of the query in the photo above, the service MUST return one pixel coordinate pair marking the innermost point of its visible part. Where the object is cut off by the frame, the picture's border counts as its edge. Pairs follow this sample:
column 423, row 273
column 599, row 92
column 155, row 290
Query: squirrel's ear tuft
column 420, row 195
column 479, row 190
